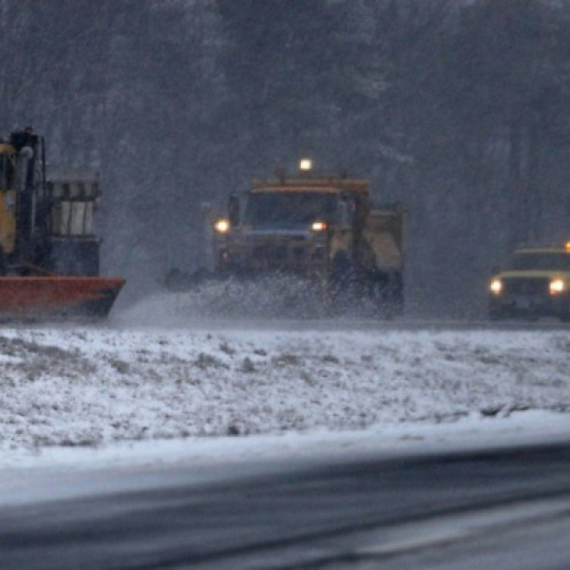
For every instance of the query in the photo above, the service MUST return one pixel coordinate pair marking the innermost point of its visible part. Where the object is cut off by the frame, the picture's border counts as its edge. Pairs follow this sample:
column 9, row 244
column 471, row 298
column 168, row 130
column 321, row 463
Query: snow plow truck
column 322, row 228
column 49, row 253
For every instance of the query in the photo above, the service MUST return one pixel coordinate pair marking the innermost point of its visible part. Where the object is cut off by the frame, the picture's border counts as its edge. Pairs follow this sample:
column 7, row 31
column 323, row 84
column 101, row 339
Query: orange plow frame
column 57, row 296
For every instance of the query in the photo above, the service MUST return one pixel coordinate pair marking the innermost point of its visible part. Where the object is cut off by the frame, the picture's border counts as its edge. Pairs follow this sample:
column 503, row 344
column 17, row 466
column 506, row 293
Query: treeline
column 461, row 110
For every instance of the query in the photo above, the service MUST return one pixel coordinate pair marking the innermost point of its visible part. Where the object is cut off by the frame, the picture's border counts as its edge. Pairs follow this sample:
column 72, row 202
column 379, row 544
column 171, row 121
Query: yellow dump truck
column 535, row 283
column 320, row 227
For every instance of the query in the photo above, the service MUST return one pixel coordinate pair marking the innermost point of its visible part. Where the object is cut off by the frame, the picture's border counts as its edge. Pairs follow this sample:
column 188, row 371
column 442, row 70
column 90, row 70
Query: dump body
column 49, row 253
column 320, row 228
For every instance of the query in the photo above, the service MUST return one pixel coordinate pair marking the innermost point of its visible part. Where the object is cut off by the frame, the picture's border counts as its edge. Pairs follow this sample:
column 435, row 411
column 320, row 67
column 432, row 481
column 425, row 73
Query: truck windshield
column 286, row 208
column 541, row 261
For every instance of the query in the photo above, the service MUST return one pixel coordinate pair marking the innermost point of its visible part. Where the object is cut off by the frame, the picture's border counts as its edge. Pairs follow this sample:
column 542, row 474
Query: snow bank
column 95, row 386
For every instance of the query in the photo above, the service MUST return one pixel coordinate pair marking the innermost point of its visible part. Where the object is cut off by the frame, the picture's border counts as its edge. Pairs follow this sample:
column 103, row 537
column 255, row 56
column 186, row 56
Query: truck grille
column 526, row 286
column 278, row 257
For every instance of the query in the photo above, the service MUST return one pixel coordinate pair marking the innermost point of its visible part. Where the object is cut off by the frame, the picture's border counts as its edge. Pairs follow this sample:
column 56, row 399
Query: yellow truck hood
column 533, row 274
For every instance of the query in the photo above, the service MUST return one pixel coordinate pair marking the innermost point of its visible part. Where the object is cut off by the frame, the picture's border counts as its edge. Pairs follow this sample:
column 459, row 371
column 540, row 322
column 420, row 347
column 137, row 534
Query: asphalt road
column 491, row 509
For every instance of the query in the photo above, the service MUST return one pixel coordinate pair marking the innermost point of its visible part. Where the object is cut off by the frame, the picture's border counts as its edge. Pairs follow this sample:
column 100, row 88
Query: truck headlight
column 222, row 226
column 496, row 286
column 319, row 226
column 557, row 286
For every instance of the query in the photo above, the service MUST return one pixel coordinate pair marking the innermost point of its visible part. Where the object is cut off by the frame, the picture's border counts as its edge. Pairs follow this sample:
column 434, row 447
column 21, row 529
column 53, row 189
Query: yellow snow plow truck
column 319, row 227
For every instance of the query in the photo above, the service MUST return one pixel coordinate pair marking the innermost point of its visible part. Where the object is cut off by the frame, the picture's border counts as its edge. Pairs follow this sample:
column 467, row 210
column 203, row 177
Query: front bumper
column 297, row 255
column 529, row 305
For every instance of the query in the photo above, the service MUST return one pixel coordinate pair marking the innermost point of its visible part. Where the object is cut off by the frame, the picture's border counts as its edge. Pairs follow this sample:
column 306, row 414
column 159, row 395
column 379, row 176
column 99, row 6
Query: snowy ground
column 139, row 389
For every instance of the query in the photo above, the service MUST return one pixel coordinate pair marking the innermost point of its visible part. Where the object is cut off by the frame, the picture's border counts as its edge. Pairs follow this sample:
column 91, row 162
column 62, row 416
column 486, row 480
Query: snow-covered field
column 137, row 384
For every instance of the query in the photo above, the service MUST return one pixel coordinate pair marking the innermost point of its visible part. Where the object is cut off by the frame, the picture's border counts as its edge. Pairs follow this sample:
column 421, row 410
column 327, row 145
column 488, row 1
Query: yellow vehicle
column 49, row 253
column 319, row 227
column 536, row 283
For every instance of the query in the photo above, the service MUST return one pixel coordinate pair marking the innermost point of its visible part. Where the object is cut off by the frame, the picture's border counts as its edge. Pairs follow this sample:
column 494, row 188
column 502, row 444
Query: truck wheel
column 3, row 262
column 394, row 306
column 341, row 284
column 342, row 273
column 387, row 294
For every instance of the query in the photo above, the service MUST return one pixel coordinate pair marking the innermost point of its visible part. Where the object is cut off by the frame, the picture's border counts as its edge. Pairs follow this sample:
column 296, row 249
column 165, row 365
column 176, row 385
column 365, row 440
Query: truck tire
column 3, row 262
column 341, row 285
column 387, row 294
column 342, row 275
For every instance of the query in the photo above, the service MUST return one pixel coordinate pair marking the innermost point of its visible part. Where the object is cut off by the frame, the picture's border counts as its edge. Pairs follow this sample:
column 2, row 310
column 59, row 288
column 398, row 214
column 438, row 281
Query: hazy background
column 461, row 110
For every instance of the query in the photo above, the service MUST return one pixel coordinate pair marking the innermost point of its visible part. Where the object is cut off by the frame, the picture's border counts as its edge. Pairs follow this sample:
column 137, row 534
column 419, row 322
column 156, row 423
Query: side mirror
column 234, row 210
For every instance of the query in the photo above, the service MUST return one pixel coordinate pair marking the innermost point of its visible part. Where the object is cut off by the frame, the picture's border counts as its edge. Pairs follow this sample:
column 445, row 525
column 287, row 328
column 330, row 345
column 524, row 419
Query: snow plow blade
column 57, row 296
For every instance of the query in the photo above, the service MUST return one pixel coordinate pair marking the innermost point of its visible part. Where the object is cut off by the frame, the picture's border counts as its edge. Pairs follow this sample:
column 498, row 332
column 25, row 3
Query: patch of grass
column 205, row 361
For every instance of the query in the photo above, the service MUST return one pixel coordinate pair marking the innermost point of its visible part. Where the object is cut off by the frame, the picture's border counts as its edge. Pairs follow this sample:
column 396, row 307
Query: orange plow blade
column 58, row 296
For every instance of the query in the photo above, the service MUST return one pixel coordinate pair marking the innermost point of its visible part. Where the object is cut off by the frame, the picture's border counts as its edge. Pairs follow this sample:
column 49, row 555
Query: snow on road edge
column 78, row 391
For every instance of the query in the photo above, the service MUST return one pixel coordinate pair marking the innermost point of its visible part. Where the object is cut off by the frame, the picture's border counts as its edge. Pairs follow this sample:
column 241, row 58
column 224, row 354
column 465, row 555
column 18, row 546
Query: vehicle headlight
column 222, row 226
column 496, row 286
column 319, row 226
column 557, row 286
